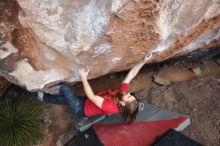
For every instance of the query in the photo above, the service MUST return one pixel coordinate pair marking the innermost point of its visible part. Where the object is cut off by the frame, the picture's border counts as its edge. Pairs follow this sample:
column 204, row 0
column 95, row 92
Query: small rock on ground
column 161, row 81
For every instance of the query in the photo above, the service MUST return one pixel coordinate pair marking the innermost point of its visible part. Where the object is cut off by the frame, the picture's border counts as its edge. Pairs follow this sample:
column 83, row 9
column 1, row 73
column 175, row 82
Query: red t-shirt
column 108, row 105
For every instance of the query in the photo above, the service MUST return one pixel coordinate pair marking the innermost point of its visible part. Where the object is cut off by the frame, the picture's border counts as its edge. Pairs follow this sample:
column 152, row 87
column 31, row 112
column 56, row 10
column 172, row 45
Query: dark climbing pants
column 68, row 97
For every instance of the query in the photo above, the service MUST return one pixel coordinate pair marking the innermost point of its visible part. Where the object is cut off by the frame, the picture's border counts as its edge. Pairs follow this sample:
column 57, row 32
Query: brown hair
column 130, row 110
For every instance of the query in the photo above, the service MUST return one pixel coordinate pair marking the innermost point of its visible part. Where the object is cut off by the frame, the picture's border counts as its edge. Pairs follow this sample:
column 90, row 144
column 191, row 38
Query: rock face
column 4, row 84
column 46, row 41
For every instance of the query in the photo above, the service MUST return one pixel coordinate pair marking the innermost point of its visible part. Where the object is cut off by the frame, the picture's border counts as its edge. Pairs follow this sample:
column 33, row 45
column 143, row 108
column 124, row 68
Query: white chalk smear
column 103, row 48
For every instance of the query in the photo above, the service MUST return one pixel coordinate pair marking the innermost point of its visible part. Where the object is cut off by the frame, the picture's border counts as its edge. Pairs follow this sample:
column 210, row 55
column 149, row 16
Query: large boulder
column 44, row 42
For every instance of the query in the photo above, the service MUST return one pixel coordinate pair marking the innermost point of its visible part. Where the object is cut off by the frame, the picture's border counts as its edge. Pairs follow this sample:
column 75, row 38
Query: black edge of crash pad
column 87, row 138
column 175, row 138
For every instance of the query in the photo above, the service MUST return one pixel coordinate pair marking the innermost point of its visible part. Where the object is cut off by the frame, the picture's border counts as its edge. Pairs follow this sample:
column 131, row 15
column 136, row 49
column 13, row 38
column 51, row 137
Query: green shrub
column 20, row 122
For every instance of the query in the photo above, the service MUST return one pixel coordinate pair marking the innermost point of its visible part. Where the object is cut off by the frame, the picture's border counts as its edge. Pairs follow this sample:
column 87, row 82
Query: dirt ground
column 200, row 99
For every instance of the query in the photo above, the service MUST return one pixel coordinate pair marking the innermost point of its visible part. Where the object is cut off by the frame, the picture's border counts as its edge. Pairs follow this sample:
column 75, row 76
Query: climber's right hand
column 147, row 58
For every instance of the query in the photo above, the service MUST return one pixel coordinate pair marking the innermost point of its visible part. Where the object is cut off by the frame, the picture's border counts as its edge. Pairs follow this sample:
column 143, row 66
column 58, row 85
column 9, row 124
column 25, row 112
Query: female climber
column 104, row 102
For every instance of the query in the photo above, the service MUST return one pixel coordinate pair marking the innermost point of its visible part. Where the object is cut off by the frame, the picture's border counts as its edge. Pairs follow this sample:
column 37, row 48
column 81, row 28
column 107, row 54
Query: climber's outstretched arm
column 97, row 100
column 134, row 71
